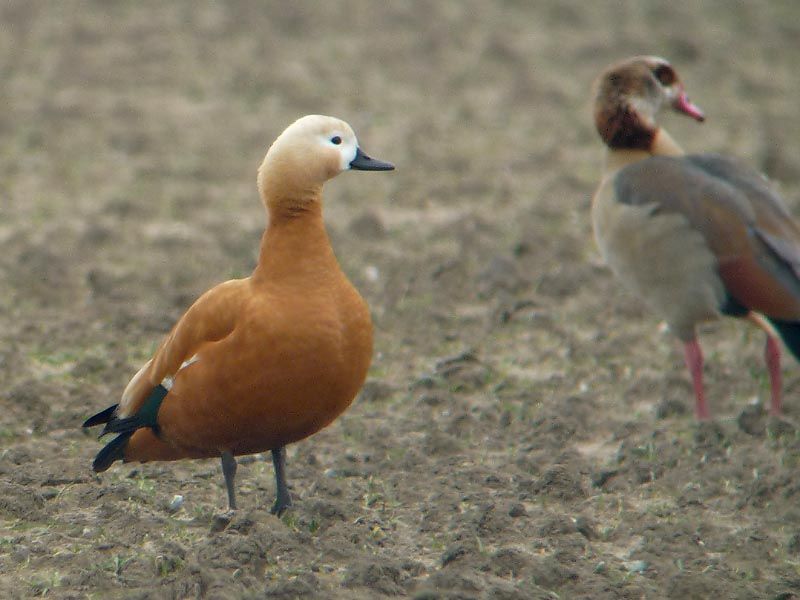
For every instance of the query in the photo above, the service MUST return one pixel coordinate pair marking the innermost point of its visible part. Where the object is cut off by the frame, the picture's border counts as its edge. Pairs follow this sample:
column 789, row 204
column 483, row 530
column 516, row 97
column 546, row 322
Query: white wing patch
column 169, row 380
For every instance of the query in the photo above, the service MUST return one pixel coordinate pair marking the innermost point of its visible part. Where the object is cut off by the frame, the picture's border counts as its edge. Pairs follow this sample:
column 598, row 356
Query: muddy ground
column 526, row 430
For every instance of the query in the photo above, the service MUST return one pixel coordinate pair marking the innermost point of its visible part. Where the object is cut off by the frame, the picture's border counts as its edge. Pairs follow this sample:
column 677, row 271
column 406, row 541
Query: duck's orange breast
column 292, row 365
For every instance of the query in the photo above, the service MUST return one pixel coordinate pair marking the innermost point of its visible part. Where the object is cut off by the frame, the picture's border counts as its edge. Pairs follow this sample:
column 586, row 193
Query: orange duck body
column 295, row 350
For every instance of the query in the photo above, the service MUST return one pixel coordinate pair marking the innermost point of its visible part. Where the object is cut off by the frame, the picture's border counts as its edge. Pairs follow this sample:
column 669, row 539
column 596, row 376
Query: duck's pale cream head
column 312, row 150
column 629, row 94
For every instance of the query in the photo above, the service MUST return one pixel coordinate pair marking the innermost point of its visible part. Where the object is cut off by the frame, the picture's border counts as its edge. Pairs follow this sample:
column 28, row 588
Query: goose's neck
column 663, row 144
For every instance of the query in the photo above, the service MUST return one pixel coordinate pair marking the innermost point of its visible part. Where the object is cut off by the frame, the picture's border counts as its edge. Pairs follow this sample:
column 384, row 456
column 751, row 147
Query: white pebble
column 175, row 503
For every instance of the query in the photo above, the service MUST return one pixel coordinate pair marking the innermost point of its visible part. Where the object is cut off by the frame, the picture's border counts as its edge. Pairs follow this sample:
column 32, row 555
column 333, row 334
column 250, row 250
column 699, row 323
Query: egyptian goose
column 695, row 236
column 261, row 362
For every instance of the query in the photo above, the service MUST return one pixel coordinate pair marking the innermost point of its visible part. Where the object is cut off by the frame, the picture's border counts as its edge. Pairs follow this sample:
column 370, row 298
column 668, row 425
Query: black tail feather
column 104, row 416
column 126, row 425
column 147, row 416
column 111, row 452
column 790, row 334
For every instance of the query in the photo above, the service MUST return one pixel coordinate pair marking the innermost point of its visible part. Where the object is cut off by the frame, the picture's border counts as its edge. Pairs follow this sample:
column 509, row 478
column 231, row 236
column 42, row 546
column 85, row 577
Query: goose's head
column 308, row 153
column 629, row 94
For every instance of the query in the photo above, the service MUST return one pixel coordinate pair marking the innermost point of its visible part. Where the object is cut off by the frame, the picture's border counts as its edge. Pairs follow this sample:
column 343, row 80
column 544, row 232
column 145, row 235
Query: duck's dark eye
column 665, row 74
column 336, row 140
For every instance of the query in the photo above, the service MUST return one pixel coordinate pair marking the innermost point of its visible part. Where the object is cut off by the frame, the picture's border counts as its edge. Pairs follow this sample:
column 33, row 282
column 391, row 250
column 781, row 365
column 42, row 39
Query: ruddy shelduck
column 695, row 236
column 261, row 362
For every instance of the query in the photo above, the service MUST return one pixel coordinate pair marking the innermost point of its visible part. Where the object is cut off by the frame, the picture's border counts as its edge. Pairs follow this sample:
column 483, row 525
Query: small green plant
column 167, row 564
column 646, row 451
column 145, row 485
column 116, row 564
column 313, row 526
column 41, row 586
column 202, row 512
column 373, row 495
column 290, row 520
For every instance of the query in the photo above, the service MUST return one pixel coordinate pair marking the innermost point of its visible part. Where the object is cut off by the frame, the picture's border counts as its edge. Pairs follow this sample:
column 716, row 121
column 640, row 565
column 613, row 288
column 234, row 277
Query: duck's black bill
column 362, row 162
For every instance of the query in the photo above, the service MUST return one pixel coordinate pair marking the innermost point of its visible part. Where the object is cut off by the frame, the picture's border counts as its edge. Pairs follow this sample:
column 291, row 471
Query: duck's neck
column 663, row 144
column 295, row 245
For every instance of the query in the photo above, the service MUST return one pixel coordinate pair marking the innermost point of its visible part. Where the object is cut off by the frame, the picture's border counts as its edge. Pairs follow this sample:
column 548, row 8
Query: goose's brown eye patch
column 665, row 74
column 336, row 140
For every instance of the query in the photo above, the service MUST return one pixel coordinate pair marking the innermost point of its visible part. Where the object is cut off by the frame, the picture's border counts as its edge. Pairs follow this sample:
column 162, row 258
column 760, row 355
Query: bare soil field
column 526, row 430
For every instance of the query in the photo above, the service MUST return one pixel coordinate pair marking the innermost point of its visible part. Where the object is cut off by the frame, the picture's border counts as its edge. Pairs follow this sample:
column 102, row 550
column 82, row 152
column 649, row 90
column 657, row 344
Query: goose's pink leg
column 772, row 356
column 693, row 356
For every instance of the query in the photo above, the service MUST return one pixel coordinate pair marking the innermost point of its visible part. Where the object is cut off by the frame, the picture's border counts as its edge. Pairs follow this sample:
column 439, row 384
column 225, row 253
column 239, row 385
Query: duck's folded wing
column 744, row 223
column 211, row 318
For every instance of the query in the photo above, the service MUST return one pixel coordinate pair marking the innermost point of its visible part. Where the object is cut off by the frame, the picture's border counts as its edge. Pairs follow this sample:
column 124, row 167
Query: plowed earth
column 526, row 430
